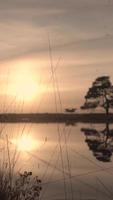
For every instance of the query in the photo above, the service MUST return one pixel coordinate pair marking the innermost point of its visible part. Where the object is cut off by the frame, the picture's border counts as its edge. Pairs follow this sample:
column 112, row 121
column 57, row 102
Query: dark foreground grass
column 23, row 187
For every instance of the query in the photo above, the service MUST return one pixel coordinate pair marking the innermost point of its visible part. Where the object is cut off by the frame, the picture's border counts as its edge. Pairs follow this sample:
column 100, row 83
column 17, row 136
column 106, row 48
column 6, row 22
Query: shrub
column 24, row 187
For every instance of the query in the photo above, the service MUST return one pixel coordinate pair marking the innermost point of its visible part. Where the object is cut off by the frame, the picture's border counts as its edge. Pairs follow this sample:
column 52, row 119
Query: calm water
column 73, row 162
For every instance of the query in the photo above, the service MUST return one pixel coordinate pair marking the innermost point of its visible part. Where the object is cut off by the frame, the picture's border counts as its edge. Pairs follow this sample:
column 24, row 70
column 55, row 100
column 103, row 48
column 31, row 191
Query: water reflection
column 100, row 142
column 68, row 161
column 25, row 143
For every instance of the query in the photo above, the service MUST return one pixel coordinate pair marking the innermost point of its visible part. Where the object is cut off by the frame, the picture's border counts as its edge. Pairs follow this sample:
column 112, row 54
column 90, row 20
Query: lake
column 74, row 162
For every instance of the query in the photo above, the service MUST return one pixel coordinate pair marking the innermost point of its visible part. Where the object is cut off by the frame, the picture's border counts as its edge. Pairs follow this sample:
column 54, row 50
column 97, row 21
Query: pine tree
column 100, row 94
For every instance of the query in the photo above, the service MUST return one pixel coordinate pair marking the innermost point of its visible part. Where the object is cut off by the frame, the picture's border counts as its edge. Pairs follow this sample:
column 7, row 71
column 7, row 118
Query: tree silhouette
column 100, row 94
column 100, row 142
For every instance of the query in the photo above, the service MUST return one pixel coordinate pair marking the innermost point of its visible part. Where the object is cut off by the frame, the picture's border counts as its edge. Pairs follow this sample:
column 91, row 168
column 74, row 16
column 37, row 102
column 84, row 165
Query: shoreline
column 55, row 117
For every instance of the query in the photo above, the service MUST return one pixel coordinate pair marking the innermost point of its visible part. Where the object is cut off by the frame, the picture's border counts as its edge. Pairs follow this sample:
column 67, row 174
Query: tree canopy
column 100, row 94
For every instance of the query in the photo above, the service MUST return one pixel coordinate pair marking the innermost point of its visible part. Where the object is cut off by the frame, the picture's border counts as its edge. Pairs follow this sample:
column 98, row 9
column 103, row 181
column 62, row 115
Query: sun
column 25, row 143
column 24, row 85
column 26, row 88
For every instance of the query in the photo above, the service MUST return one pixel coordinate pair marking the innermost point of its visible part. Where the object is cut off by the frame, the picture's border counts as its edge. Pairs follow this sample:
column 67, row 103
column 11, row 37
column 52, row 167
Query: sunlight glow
column 24, row 85
column 25, row 143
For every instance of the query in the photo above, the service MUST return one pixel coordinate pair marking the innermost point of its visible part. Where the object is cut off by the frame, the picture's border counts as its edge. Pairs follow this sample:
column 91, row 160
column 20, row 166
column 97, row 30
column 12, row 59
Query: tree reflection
column 100, row 142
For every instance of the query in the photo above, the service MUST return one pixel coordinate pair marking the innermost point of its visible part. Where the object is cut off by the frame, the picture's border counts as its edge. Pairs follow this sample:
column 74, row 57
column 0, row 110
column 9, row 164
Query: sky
column 80, row 33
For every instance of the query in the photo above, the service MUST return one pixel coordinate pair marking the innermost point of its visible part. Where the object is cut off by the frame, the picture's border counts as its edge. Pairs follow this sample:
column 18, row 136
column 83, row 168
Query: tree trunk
column 107, row 111
column 106, row 105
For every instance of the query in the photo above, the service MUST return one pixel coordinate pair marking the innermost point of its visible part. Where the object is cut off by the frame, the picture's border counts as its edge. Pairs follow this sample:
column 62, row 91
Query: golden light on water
column 25, row 143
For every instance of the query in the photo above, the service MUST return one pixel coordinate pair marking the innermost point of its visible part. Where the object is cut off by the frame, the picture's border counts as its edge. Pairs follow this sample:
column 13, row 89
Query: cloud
column 73, row 25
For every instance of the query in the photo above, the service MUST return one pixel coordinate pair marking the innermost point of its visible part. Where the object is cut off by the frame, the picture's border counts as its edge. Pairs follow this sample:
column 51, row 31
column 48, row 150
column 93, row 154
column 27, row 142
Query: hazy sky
column 81, row 36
